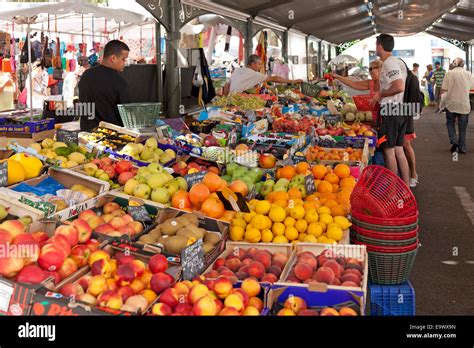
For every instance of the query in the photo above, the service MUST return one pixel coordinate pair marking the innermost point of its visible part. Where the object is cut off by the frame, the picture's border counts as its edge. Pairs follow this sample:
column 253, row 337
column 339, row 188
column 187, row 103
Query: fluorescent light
column 430, row 27
column 370, row 13
column 453, row 10
column 439, row 20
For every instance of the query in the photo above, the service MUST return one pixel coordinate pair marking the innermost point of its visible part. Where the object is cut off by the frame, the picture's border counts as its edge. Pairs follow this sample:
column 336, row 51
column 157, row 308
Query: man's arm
column 396, row 87
column 226, row 89
column 279, row 79
column 358, row 85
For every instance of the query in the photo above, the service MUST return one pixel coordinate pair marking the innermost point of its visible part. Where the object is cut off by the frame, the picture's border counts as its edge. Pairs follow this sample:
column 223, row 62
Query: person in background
column 456, row 85
column 438, row 77
column 426, row 81
column 7, row 92
column 103, row 86
column 416, row 70
column 392, row 87
column 40, row 86
column 248, row 77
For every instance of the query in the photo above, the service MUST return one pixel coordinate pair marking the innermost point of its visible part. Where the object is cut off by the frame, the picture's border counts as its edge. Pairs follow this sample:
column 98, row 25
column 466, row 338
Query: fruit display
column 122, row 281
column 5, row 215
column 240, row 101
column 116, row 173
column 241, row 179
column 317, row 153
column 109, row 138
column 328, row 268
column 249, row 263
column 68, row 155
column 359, row 129
column 177, row 233
column 148, row 152
column 297, row 306
column 202, row 297
column 22, row 167
column 112, row 221
column 294, row 124
column 182, row 168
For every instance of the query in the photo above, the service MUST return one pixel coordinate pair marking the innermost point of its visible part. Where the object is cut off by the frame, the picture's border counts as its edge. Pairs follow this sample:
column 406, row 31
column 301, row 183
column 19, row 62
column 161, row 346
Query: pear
column 26, row 220
column 3, row 212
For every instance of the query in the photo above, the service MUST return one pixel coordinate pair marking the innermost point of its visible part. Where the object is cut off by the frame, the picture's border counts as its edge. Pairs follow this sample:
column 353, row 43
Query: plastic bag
column 47, row 186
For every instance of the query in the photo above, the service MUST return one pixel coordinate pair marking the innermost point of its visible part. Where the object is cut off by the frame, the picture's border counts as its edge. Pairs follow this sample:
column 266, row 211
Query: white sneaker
column 413, row 182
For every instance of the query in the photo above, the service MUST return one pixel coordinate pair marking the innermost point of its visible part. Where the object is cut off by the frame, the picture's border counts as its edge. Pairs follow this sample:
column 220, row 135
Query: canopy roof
column 339, row 21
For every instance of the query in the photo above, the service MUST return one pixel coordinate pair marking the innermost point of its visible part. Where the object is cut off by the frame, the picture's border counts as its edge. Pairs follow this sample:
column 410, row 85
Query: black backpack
column 412, row 93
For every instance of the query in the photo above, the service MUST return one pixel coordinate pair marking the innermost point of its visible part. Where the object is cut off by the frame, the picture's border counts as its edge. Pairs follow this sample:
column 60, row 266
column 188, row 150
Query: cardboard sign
column 4, row 174
column 68, row 137
column 139, row 213
column 194, row 178
column 193, row 260
column 6, row 291
column 309, row 184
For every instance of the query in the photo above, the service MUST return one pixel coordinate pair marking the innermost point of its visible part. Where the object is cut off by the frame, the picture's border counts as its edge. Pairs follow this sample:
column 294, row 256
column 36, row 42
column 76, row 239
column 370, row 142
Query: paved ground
column 446, row 230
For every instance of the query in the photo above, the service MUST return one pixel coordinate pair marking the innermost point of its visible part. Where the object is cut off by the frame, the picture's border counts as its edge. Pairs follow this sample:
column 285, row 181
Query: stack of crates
column 392, row 300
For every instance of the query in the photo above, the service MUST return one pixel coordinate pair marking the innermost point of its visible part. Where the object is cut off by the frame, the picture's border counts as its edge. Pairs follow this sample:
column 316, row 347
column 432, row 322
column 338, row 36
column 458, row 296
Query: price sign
column 194, row 178
column 139, row 213
column 4, row 174
column 68, row 137
column 252, row 194
column 192, row 260
column 6, row 291
column 309, row 184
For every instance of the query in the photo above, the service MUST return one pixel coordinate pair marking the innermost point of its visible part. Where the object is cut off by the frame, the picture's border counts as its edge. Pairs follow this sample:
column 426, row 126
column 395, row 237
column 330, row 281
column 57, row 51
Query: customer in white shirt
column 248, row 77
column 456, row 86
column 40, row 86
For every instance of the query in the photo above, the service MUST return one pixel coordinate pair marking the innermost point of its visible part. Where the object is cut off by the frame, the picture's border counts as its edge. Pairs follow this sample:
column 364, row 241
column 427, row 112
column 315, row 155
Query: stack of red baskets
column 385, row 220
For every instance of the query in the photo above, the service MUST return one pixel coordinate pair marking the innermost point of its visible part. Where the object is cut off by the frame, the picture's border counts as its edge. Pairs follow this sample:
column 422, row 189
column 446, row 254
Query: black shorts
column 394, row 129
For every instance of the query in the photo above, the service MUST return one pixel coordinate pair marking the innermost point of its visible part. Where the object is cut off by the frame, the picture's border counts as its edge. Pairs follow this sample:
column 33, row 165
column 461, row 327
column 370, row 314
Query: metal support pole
column 173, row 81
column 320, row 59
column 307, row 58
column 30, row 71
column 159, row 70
column 284, row 50
column 248, row 39
column 468, row 57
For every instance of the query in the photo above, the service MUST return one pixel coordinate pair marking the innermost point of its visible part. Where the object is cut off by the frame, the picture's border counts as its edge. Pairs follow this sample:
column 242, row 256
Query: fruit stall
column 260, row 205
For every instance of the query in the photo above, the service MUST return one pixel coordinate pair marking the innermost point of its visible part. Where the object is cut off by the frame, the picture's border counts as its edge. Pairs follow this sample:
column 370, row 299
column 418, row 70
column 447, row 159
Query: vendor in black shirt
column 103, row 86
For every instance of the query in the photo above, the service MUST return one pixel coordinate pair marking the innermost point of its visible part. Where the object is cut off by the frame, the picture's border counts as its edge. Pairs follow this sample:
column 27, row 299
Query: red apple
column 170, row 297
column 158, row 263
column 31, row 274
column 128, row 230
column 123, row 259
column 80, row 254
column 125, row 274
column 117, row 222
column 55, row 276
column 92, row 245
column 124, row 177
column 70, row 232
column 123, row 167
column 160, row 282
column 87, row 215
column 5, row 237
column 14, row 227
column 51, row 257
column 28, row 248
column 71, row 290
column 40, row 237
column 106, row 161
column 110, row 171
column 110, row 207
column 61, row 242
column 137, row 226
column 267, row 161
column 104, row 229
column 83, row 228
column 126, row 292
column 10, row 266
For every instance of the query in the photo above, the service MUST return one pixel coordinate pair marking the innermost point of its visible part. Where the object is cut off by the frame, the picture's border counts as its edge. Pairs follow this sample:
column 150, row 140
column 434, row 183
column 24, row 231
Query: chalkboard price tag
column 67, row 136
column 309, row 184
column 192, row 260
column 194, row 178
column 139, row 213
column 252, row 194
column 4, row 174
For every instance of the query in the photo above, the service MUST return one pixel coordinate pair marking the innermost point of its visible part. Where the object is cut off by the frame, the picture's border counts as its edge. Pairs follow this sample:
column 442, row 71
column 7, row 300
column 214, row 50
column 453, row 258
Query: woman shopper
column 40, row 79
column 428, row 83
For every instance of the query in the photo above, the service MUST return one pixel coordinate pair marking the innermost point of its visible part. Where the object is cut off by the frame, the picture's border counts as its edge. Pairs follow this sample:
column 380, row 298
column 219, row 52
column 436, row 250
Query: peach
column 146, row 277
column 256, row 269
column 183, row 308
column 87, row 214
column 328, row 312
column 31, row 274
column 61, row 242
column 295, row 303
column 161, row 309
column 350, row 284
column 139, row 267
column 325, row 275
column 280, row 257
column 303, row 271
column 72, row 290
column 137, row 226
column 101, row 267
column 234, row 300
column 275, row 270
column 115, row 301
column 223, row 287
column 336, row 282
column 219, row 305
column 205, row 306
column 112, row 284
column 123, row 258
column 170, row 297
column 138, row 303
column 264, row 258
column 158, row 263
column 181, row 289
column 126, row 292
column 160, row 281
column 98, row 255
column 219, row 263
column 70, row 232
column 269, row 278
column 308, row 313
column 51, row 258
column 88, row 298
column 256, row 302
column 92, row 245
column 110, row 207
column 292, row 279
column 247, row 256
column 351, row 278
column 233, row 264
column 285, row 312
column 246, row 262
column 310, row 260
column 241, row 275
column 346, row 311
column 83, row 228
column 97, row 285
column 188, row 283
column 335, row 266
column 137, row 286
column 353, row 271
column 197, row 291
column 278, row 264
column 69, row 267
column 113, row 266
column 229, row 311
column 251, row 311
column 252, row 251
column 321, row 259
column 198, row 279
column 14, row 227
column 125, row 274
column 341, row 261
column 245, row 297
column 84, row 282
column 80, row 254
column 227, row 273
column 353, row 265
column 211, row 274
column 251, row 287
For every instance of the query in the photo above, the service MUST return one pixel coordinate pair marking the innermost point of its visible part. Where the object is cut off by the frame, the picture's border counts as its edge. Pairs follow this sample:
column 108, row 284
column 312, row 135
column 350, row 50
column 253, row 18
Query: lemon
column 326, row 218
column 277, row 214
column 343, row 222
column 301, row 226
column 310, row 239
column 291, row 233
column 296, row 241
column 280, row 239
column 322, row 239
column 311, row 215
column 335, row 233
column 315, row 229
column 330, row 241
column 263, row 207
column 47, row 143
column 239, row 222
column 58, row 144
column 259, row 222
column 267, row 236
column 278, row 229
column 31, row 164
column 324, row 210
column 289, row 221
column 297, row 212
column 302, row 236
column 253, row 235
column 77, row 157
column 237, row 233
column 16, row 172
column 249, row 216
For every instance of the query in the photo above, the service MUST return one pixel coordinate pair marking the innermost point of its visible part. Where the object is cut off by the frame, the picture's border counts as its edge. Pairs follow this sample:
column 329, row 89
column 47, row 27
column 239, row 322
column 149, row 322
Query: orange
column 348, row 182
column 181, row 200
column 324, row 187
column 338, row 210
column 213, row 208
column 228, row 216
column 311, row 198
column 294, row 193
column 331, row 178
column 335, row 187
column 281, row 196
column 271, row 196
column 302, row 168
column 342, row 171
column 311, row 205
column 330, row 203
column 344, row 196
column 212, row 181
column 288, row 172
column 198, row 194
column 239, row 186
column 319, row 171
column 281, row 203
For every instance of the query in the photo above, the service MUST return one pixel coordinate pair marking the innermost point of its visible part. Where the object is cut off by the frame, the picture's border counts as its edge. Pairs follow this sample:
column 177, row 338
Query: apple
column 91, row 168
column 123, row 259
column 125, row 274
column 61, row 242
column 117, row 222
column 70, row 232
column 69, row 267
column 124, row 177
column 31, row 274
column 106, row 161
column 5, row 237
column 104, row 229
column 51, row 257
column 87, row 215
column 14, row 227
column 95, row 222
column 128, row 230
column 110, row 171
column 80, row 254
column 267, row 161
column 72, row 290
column 123, row 167
column 85, row 231
column 40, row 237
column 158, row 263
column 92, row 245
column 137, row 226
column 110, row 207
column 29, row 247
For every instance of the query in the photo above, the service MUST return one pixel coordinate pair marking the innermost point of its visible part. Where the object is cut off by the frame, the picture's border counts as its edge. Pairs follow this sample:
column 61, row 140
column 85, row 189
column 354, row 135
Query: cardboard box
column 27, row 127
column 314, row 298
column 19, row 209
column 16, row 299
column 67, row 306
column 358, row 252
column 232, row 247
column 25, row 139
column 67, row 178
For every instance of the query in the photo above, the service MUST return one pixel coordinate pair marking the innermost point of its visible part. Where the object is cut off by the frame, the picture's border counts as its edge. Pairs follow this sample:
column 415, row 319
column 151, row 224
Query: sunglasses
column 373, row 68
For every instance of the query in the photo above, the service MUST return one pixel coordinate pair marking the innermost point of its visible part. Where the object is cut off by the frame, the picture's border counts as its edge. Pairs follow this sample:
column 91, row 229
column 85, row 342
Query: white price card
column 6, row 292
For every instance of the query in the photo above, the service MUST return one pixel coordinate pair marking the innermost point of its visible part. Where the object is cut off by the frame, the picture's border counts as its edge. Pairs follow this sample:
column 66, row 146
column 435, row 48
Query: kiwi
column 161, row 240
column 175, row 244
column 147, row 239
column 186, row 233
column 212, row 238
column 183, row 220
column 155, row 233
column 193, row 219
column 170, row 227
column 198, row 232
column 207, row 247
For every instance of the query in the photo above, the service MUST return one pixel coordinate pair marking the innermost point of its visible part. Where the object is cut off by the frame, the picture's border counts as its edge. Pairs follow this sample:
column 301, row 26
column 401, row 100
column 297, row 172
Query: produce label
column 309, row 184
column 139, row 213
column 4, row 174
column 194, row 178
column 68, row 137
column 6, row 291
column 193, row 260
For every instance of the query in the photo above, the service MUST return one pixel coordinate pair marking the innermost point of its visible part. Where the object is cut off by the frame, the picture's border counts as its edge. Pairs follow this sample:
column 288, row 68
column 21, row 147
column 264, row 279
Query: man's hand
column 376, row 99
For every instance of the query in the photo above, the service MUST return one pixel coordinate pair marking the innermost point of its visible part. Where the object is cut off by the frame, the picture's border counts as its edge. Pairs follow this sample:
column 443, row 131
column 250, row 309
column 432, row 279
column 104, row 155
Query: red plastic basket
column 385, row 235
column 380, row 193
column 362, row 102
column 408, row 220
column 389, row 250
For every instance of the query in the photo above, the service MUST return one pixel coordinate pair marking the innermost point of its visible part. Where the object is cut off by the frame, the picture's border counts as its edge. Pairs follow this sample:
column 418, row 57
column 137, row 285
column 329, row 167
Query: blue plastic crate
column 392, row 300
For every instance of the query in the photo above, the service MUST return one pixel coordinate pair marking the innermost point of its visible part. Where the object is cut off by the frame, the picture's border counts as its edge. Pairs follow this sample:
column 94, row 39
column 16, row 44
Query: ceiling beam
column 351, row 36
column 335, row 15
column 254, row 11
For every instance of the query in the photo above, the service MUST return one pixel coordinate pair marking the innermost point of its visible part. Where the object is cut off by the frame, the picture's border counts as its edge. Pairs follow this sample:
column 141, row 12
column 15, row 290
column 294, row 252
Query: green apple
column 172, row 187
column 90, row 168
column 231, row 167
column 142, row 191
column 160, row 195
column 227, row 178
column 99, row 172
column 155, row 168
column 151, row 143
column 130, row 185
column 157, row 180
column 143, row 171
column 183, row 184
column 104, row 177
column 146, row 154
